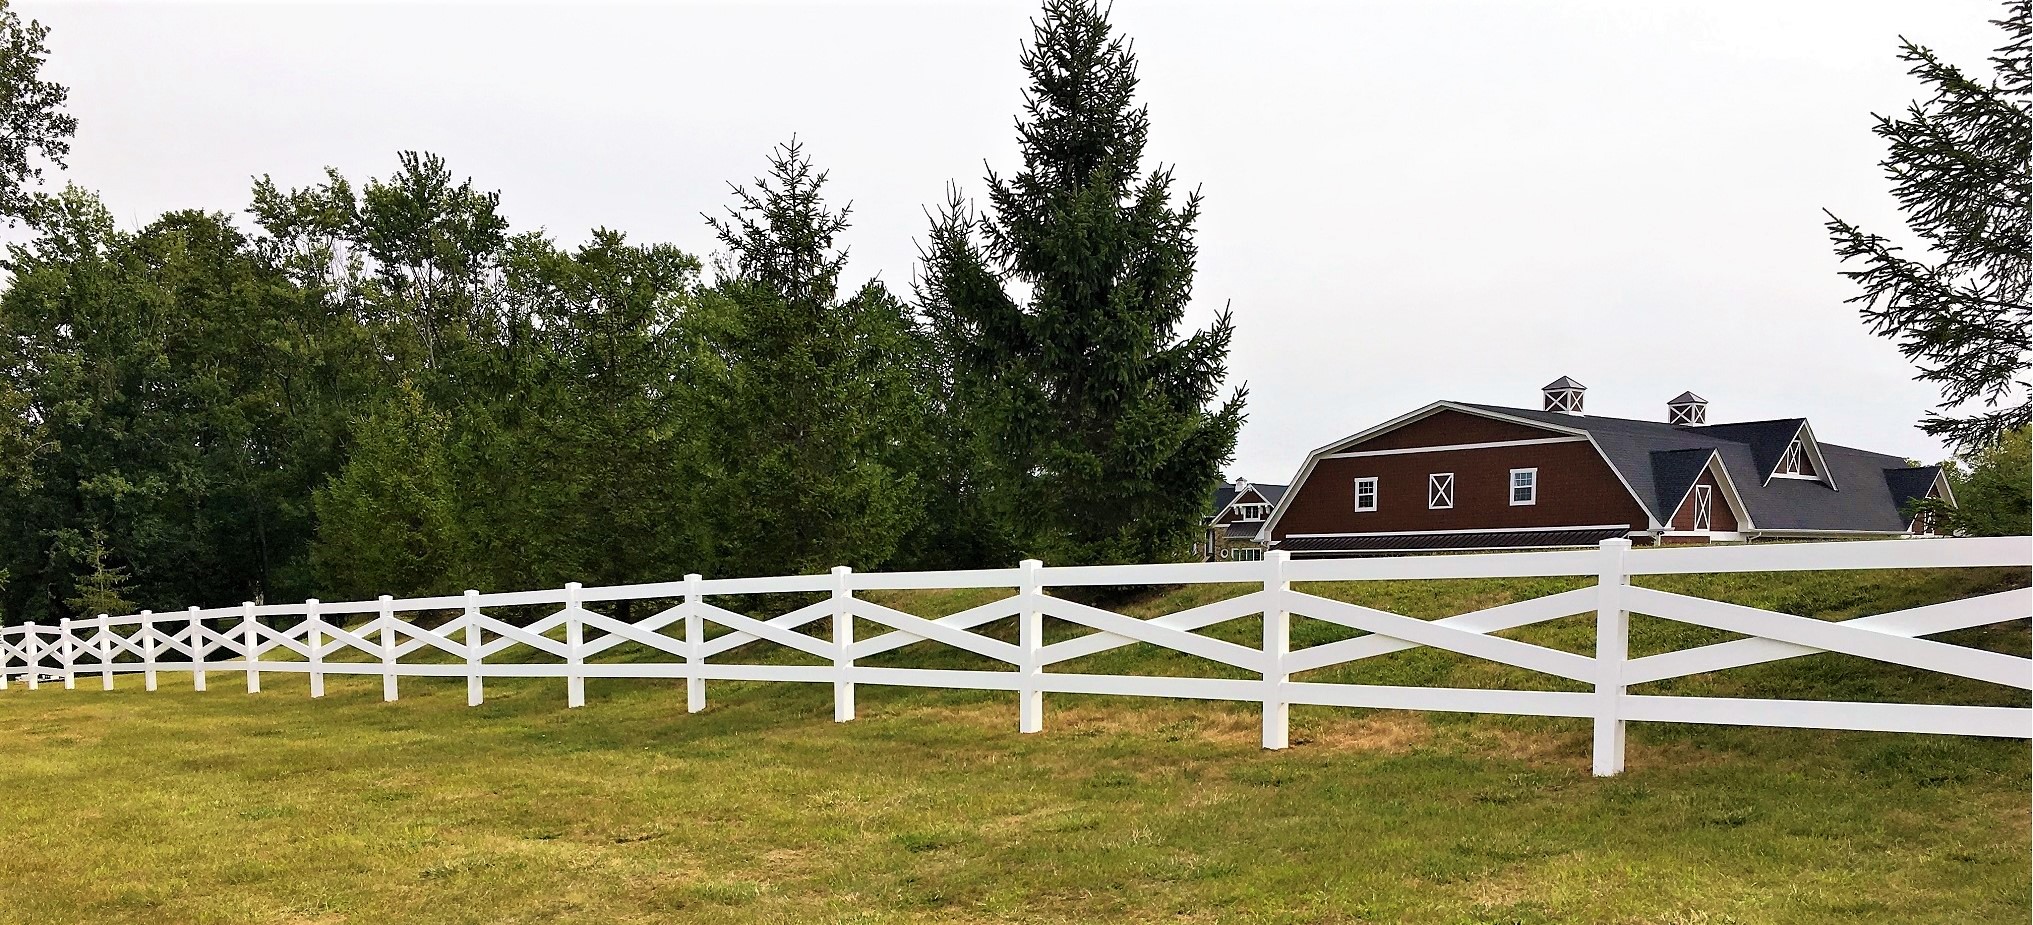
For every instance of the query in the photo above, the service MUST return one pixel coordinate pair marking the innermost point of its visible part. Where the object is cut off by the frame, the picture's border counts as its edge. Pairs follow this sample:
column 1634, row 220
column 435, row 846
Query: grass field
column 182, row 807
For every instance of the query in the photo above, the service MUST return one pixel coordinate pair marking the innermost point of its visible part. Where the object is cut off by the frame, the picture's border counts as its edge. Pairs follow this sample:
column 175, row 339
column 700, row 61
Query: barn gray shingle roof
column 1654, row 458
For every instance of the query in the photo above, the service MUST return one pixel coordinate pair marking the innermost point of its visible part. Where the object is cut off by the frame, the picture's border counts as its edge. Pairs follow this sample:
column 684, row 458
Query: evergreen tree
column 1958, row 163
column 810, row 401
column 103, row 587
column 389, row 522
column 1096, row 433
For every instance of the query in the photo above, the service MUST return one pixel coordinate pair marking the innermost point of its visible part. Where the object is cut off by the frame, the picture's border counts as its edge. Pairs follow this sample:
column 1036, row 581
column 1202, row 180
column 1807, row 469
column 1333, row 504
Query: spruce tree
column 808, row 398
column 1095, row 433
column 1958, row 163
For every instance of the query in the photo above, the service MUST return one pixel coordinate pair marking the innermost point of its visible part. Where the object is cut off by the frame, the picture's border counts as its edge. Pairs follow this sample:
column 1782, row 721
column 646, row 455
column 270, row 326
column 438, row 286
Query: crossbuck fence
column 305, row 638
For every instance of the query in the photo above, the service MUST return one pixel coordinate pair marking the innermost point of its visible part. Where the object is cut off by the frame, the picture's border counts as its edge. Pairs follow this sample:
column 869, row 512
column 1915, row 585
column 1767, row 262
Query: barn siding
column 1576, row 488
column 1721, row 517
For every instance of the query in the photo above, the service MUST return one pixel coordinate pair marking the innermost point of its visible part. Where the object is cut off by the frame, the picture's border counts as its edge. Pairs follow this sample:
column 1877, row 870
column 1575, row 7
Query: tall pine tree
column 809, row 401
column 1958, row 163
column 1095, row 431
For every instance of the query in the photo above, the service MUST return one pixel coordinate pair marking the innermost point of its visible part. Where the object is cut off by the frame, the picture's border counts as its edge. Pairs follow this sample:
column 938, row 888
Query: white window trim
column 1439, row 488
column 1373, row 492
column 1704, row 507
column 1511, row 488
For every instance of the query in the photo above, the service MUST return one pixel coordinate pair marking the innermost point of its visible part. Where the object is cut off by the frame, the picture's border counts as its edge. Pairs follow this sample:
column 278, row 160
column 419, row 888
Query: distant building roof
column 1224, row 494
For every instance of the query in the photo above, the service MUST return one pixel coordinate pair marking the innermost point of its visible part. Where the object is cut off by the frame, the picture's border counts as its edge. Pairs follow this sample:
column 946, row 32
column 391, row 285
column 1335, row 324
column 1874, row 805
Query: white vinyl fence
column 303, row 638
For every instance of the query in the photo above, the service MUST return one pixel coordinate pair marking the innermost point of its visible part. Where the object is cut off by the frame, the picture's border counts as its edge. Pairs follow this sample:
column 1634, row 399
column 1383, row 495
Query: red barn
column 1460, row 476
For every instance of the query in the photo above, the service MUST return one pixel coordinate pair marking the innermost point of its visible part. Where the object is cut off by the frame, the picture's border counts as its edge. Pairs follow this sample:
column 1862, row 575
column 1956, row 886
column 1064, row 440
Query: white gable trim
column 1947, row 490
column 1452, row 447
column 1810, row 446
column 1249, row 488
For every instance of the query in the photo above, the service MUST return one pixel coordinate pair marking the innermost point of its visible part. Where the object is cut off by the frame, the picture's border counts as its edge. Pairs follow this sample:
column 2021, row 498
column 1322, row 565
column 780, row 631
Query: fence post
column 7, row 654
column 197, row 651
column 30, row 656
column 474, row 695
column 148, row 649
column 65, row 656
column 247, row 640
column 695, row 638
column 314, row 643
column 387, row 648
column 1277, row 644
column 1031, row 639
column 1612, row 648
column 105, row 652
column 843, row 639
column 575, row 644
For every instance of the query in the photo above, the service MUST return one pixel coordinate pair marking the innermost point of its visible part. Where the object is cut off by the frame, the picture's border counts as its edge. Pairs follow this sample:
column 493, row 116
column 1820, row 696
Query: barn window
column 1790, row 463
column 1703, row 506
column 1524, row 486
column 1366, row 494
column 1249, row 554
column 1440, row 490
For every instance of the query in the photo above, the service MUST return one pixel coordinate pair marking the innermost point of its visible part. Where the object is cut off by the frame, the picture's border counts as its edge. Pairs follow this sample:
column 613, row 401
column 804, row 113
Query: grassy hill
column 185, row 807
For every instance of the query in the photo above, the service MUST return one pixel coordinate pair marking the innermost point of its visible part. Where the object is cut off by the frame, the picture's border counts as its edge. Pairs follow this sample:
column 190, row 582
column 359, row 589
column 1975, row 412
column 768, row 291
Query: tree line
column 377, row 385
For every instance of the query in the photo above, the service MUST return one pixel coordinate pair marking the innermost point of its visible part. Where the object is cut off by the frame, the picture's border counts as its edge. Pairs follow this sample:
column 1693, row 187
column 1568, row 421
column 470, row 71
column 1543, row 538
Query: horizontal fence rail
column 457, row 637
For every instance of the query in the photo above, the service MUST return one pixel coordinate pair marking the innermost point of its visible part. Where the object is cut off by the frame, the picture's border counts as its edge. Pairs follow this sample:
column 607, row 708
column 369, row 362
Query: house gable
column 1574, row 485
column 1250, row 502
column 1725, row 508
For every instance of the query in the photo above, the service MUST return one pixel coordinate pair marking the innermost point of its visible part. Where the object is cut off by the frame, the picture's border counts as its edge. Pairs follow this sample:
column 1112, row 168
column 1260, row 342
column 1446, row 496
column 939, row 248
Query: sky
column 1404, row 201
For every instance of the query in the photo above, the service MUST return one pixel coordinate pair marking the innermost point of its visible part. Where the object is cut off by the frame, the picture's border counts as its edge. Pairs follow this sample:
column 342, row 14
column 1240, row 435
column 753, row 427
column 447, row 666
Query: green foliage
column 33, row 125
column 381, row 388
column 1096, row 436
column 810, row 401
column 388, row 523
column 171, row 382
column 1994, row 495
column 103, row 589
column 1958, row 163
column 538, row 432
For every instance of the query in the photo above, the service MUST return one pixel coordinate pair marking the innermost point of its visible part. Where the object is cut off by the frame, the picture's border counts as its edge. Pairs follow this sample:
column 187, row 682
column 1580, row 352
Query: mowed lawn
column 220, row 807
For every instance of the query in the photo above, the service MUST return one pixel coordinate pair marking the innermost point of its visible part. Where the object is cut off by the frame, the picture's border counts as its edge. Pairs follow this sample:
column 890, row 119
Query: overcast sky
column 1405, row 200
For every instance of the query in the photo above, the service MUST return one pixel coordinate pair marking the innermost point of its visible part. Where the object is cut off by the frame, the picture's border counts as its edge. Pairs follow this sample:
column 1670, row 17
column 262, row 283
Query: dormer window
column 1790, row 463
column 1252, row 511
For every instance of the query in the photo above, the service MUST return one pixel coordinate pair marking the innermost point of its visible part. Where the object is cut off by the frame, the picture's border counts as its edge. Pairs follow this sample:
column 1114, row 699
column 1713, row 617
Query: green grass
column 185, row 807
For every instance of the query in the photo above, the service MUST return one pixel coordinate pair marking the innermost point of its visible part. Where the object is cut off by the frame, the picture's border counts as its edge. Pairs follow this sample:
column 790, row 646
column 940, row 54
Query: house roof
column 1659, row 461
column 1224, row 495
column 1911, row 483
column 1768, row 440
